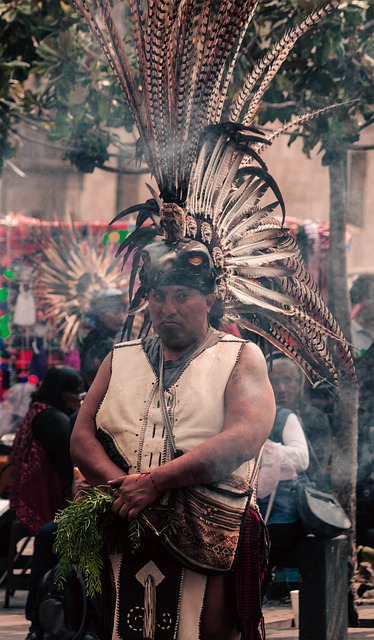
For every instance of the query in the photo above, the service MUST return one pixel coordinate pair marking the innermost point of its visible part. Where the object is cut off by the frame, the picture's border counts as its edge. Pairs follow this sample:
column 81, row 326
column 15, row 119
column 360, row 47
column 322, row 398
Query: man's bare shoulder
column 250, row 368
column 249, row 394
column 251, row 359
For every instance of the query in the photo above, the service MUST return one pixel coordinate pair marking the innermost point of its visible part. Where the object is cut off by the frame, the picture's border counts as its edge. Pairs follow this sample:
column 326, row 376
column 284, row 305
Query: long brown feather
column 305, row 117
column 272, row 61
column 118, row 62
column 288, row 43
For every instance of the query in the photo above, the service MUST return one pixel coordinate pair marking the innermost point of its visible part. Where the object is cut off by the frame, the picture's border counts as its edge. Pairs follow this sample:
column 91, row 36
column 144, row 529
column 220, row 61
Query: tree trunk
column 345, row 417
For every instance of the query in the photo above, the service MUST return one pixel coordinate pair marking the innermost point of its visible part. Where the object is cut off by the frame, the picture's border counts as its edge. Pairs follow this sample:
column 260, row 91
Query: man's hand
column 134, row 493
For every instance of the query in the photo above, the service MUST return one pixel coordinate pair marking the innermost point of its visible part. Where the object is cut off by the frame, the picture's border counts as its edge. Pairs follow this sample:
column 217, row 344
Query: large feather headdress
column 71, row 274
column 213, row 183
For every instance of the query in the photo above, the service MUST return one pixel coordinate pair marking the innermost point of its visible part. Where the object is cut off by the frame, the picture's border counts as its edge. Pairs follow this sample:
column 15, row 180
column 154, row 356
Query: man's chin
column 173, row 338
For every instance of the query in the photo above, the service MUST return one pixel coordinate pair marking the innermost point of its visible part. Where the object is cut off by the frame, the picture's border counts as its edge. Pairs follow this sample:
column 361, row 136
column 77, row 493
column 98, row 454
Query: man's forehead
column 174, row 288
column 284, row 366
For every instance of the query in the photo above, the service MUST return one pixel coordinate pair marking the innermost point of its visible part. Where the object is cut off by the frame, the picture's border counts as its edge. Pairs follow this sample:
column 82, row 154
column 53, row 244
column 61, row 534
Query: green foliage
column 80, row 533
column 81, row 529
column 23, row 24
column 52, row 72
column 82, row 94
column 135, row 531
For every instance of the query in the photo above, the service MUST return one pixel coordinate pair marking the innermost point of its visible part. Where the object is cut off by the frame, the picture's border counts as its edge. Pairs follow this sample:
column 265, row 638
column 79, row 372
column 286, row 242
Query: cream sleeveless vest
column 130, row 413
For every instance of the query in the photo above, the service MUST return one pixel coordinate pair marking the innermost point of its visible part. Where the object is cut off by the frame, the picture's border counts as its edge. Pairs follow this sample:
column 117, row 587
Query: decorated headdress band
column 214, row 187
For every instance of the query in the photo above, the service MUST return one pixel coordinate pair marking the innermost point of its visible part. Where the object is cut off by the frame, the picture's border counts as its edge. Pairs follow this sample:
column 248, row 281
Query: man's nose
column 168, row 308
column 280, row 389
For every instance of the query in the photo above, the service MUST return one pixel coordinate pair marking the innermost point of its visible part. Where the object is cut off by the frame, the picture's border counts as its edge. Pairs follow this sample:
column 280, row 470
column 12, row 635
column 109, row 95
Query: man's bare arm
column 86, row 451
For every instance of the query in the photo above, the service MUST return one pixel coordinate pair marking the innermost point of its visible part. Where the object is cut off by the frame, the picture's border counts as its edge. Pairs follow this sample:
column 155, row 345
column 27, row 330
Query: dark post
column 323, row 597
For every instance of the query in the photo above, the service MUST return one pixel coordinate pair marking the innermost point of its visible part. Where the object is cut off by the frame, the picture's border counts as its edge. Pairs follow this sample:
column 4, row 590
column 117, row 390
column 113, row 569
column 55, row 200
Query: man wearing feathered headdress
column 215, row 389
column 174, row 422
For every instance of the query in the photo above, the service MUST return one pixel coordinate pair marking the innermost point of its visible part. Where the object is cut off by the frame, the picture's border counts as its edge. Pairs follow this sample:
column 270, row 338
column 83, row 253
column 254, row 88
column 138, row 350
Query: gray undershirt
column 173, row 369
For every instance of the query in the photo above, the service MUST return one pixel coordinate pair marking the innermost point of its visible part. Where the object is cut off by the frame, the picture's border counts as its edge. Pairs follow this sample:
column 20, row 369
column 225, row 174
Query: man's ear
column 210, row 300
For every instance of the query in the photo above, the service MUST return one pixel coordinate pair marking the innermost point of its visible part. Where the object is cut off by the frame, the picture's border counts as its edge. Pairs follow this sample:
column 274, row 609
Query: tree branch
column 361, row 147
column 279, row 105
column 123, row 171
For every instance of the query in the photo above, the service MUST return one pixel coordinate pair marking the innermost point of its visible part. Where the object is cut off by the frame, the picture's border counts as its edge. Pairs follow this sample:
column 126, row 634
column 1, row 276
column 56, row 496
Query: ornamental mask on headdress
column 185, row 262
column 213, row 206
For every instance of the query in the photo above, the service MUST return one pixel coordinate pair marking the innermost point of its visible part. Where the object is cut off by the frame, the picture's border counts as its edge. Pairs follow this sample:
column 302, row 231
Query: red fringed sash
column 249, row 571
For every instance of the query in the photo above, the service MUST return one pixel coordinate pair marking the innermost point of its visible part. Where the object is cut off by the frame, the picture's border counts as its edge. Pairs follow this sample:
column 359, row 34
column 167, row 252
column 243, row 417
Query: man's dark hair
column 360, row 289
column 110, row 300
column 277, row 356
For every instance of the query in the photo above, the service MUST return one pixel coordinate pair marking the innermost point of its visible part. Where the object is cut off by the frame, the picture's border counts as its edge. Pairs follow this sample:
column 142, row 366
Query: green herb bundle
column 80, row 534
column 81, row 530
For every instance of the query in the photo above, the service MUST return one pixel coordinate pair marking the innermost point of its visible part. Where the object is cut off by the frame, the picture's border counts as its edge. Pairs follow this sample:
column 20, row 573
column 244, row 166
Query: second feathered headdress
column 214, row 187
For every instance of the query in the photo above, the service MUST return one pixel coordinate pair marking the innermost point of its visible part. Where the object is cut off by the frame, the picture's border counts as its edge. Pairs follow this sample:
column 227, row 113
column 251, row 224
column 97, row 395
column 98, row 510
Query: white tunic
column 131, row 416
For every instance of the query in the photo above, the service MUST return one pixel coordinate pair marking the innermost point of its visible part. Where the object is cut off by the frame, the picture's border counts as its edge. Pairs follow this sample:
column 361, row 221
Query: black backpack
column 62, row 612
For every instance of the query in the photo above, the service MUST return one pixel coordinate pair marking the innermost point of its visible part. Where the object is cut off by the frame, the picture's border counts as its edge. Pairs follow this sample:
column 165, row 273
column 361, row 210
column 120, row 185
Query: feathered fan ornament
column 214, row 187
column 71, row 272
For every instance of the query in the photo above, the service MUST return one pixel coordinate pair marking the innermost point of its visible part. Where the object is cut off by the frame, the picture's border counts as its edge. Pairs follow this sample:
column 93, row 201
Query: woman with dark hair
column 42, row 470
column 42, row 479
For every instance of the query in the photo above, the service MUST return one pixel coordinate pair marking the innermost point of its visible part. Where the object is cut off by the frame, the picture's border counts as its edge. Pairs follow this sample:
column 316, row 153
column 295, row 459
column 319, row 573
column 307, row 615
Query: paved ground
column 279, row 622
column 278, row 618
column 13, row 625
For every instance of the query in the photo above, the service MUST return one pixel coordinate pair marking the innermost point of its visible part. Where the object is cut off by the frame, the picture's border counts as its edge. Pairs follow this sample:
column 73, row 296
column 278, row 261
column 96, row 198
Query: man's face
column 286, row 380
column 114, row 319
column 365, row 315
column 179, row 314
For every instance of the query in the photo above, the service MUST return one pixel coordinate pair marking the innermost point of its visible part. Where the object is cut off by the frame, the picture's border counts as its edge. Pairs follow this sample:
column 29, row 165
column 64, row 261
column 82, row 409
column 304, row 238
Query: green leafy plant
column 81, row 529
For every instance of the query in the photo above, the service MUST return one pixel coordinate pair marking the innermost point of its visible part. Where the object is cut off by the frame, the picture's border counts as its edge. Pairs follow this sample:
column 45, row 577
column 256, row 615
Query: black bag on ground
column 320, row 512
column 62, row 612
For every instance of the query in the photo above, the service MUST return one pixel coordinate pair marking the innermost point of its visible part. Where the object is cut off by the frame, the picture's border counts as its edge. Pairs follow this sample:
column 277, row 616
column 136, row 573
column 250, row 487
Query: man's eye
column 156, row 296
